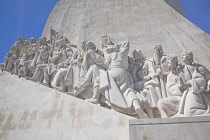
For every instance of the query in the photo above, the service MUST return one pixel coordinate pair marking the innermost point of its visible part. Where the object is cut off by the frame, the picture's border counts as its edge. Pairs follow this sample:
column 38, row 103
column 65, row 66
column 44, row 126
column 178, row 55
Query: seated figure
column 68, row 77
column 91, row 67
column 57, row 60
column 10, row 59
column 73, row 72
column 186, row 88
column 154, row 86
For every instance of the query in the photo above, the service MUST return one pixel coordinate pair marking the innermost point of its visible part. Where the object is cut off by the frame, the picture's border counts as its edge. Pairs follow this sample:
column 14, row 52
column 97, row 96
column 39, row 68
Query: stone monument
column 108, row 70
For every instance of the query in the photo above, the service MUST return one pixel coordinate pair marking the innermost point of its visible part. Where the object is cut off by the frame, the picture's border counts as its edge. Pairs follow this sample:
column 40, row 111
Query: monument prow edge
column 30, row 110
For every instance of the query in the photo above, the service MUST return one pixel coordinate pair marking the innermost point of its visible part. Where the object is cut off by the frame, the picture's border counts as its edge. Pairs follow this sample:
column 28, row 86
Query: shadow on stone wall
column 176, row 5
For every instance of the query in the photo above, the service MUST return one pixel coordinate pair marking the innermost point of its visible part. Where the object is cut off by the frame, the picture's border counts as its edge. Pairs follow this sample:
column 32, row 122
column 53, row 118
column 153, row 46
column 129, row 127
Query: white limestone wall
column 142, row 22
column 30, row 111
column 180, row 128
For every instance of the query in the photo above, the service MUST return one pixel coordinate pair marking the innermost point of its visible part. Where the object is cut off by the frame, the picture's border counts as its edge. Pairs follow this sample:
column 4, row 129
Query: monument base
column 186, row 128
column 30, row 111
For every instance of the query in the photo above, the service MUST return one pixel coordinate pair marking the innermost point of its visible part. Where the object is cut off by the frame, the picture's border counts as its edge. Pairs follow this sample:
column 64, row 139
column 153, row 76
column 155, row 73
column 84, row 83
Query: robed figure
column 115, row 86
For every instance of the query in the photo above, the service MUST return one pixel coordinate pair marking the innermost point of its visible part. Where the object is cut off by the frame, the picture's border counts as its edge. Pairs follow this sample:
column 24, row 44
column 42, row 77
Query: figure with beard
column 154, row 86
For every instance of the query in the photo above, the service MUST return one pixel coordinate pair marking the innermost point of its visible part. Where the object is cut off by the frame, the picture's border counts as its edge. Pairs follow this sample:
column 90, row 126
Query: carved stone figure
column 83, row 49
column 194, row 101
column 42, row 41
column 10, row 59
column 12, row 63
column 186, row 90
column 157, row 87
column 30, row 54
column 58, row 58
column 66, row 77
column 41, row 60
column 73, row 71
column 169, row 106
column 136, row 69
column 21, row 67
column 91, row 68
column 154, row 86
column 115, row 84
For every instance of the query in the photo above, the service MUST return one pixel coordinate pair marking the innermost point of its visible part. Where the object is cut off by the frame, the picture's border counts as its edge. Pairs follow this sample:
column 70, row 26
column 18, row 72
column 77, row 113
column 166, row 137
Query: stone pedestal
column 189, row 128
column 30, row 111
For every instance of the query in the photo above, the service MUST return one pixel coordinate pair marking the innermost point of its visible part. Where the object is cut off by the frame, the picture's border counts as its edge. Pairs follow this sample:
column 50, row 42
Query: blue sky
column 27, row 18
column 198, row 12
column 22, row 18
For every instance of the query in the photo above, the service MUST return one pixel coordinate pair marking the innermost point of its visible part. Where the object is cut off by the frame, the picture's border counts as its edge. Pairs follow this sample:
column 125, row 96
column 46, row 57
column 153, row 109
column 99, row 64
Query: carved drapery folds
column 142, row 87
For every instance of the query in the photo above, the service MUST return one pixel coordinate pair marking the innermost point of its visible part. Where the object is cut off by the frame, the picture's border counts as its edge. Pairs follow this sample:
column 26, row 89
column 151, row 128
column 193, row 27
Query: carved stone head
column 32, row 40
column 187, row 58
column 21, row 39
column 157, row 54
column 106, row 40
column 45, row 47
column 137, row 54
column 90, row 45
column 157, row 49
column 172, row 61
column 26, row 42
column 42, row 40
column 69, row 52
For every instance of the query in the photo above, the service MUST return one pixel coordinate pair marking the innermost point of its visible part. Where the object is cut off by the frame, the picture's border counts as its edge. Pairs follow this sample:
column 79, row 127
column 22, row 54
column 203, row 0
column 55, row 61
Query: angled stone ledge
column 30, row 110
column 186, row 128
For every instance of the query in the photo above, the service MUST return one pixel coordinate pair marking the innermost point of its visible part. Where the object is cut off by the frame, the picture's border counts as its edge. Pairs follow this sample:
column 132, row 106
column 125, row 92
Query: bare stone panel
column 193, row 128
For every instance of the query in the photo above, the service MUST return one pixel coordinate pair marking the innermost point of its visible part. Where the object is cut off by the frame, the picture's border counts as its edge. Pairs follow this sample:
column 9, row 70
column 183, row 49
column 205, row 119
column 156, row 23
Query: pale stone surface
column 193, row 128
column 142, row 22
column 32, row 111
